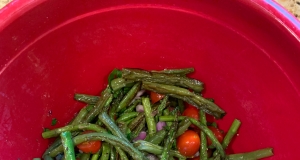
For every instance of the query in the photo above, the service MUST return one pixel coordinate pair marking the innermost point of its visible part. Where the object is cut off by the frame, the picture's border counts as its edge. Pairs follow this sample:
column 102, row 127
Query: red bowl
column 246, row 52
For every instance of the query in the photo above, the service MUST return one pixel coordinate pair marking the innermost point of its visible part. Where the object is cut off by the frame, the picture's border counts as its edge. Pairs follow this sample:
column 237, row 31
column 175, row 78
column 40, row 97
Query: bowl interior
column 248, row 61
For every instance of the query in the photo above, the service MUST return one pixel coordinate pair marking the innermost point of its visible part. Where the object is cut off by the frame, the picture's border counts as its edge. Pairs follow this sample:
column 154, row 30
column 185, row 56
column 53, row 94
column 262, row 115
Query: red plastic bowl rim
column 17, row 8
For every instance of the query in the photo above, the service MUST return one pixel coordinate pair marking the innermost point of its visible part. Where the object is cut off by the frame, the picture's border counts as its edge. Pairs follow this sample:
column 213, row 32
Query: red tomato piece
column 89, row 146
column 155, row 97
column 188, row 143
column 217, row 132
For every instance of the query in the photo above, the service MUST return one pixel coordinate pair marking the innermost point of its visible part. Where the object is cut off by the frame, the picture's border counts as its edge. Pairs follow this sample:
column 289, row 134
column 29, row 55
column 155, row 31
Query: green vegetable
column 114, row 74
column 53, row 122
column 127, row 116
column 82, row 113
column 163, row 78
column 89, row 99
column 171, row 118
column 158, row 137
column 68, row 146
column 120, row 83
column 128, row 97
column 181, row 71
column 132, row 107
column 105, row 119
column 185, row 95
column 209, row 133
column 183, row 126
column 149, row 117
column 111, row 139
column 231, row 133
column 105, row 96
column 258, row 154
column 85, row 156
column 203, row 140
column 105, row 151
column 136, row 121
column 170, row 138
column 154, row 149
column 83, row 126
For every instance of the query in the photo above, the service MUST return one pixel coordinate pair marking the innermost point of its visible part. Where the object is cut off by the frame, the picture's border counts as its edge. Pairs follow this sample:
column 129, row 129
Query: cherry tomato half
column 188, row 143
column 219, row 135
column 193, row 112
column 155, row 97
column 89, row 146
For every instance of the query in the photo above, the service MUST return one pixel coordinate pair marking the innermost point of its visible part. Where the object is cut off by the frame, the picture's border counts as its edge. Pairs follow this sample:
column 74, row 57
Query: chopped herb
column 53, row 122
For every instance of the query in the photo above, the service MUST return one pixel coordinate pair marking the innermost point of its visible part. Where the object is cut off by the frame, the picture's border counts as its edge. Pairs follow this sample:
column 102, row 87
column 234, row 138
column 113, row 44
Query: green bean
column 166, row 112
column 113, row 140
column 154, row 149
column 105, row 151
column 113, row 153
column 89, row 99
column 185, row 95
column 119, row 83
column 129, row 97
column 127, row 116
column 123, row 127
column 105, row 119
column 181, row 71
column 68, row 145
column 169, row 79
column 258, row 154
column 52, row 147
column 231, row 133
column 97, row 155
column 136, row 121
column 122, row 154
column 85, row 156
column 105, row 96
column 183, row 126
column 132, row 107
column 180, row 105
column 149, row 117
column 82, row 113
column 171, row 118
column 158, row 137
column 210, row 134
column 170, row 138
column 203, row 140
column 138, row 129
column 83, row 126
column 162, row 105
column 115, row 103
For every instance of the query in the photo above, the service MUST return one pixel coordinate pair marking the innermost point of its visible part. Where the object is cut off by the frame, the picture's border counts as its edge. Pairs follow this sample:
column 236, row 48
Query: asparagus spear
column 171, row 79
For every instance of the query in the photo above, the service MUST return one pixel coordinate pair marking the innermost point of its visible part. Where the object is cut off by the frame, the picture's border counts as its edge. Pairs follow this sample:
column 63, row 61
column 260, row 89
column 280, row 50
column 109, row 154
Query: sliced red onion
column 160, row 125
column 152, row 157
column 141, row 136
column 140, row 93
column 139, row 108
column 197, row 154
